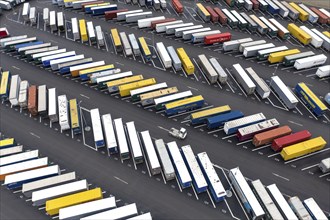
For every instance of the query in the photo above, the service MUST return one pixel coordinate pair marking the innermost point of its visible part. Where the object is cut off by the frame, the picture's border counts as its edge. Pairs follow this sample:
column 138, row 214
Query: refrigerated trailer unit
column 134, row 142
column 88, row 208
column 186, row 35
column 121, row 138
column 243, row 79
column 11, row 150
column 322, row 71
column 161, row 27
column 165, row 160
column 264, row 54
column 150, row 153
column 176, row 62
column 33, row 15
column 310, row 62
column 134, row 44
column 55, row 64
column 19, row 158
column 75, row 29
column 182, row 173
column 109, row 134
column 52, row 105
column 222, row 75
column 179, row 31
column 146, row 22
column 16, row 180
column 64, row 68
column 23, row 49
column 130, row 18
column 165, row 57
column 170, row 29
column 26, row 11
column 250, row 44
column 326, row 40
column 232, row 127
column 284, row 93
column 14, row 90
column 121, row 16
column 316, row 40
column 262, row 88
column 97, row 128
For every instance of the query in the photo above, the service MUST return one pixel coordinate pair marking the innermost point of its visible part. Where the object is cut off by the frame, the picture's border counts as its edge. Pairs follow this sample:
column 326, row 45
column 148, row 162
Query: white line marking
column 306, row 168
column 35, row 135
column 275, row 174
column 117, row 178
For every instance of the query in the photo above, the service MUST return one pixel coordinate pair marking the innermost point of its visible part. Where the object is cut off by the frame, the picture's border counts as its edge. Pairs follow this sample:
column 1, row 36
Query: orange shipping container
column 268, row 136
column 32, row 100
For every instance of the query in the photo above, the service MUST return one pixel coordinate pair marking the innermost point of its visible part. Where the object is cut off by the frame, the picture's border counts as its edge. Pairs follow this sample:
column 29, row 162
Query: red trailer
column 4, row 32
column 255, row 4
column 177, row 6
column 222, row 17
column 113, row 14
column 90, row 3
column 154, row 23
column 32, row 100
column 217, row 38
column 323, row 19
column 214, row 16
column 282, row 142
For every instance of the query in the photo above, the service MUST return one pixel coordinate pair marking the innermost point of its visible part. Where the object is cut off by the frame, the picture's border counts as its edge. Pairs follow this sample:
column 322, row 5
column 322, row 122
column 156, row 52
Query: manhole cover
column 87, row 128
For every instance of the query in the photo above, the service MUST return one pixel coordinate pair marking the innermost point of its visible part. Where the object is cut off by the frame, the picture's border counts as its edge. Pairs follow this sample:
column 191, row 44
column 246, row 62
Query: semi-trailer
column 253, row 50
column 126, row 45
column 7, row 39
column 324, row 165
column 268, row 137
column 312, row 17
column 130, row 18
column 201, row 117
column 243, row 79
column 309, row 62
column 252, row 26
column 264, row 54
column 248, row 132
column 323, row 71
column 150, row 153
column 283, row 92
column 161, row 27
column 26, row 11
column 97, row 75
column 109, row 134
column 234, row 44
column 166, row 20
column 134, row 44
column 123, row 212
column 222, row 75
column 121, row 16
column 146, row 22
column 170, row 29
column 177, row 6
column 303, row 148
column 283, row 11
column 102, row 81
column 55, row 64
column 52, row 105
column 23, row 94
column 33, row 15
column 316, row 40
column 22, row 50
column 33, row 100
column 47, row 59
column 217, row 38
column 64, row 68
column 220, row 120
column 42, row 100
column 279, row 143
column 278, row 57
column 164, row 55
column 303, row 15
column 125, row 89
column 250, row 44
column 310, row 99
column 326, row 40
column 184, row 105
column 232, row 127
column 176, row 62
column 16, row 180
column 207, row 68
column 187, row 35
column 199, row 37
column 222, row 17
column 60, row 21
column 165, row 160
column 19, row 158
column 299, row 34
column 100, row 10
column 262, row 88
column 179, row 31
column 289, row 60
column 63, row 112
column 282, row 31
column 113, row 14
column 322, row 18
column 11, row 150
column 14, row 90
column 97, row 128
column 148, row 98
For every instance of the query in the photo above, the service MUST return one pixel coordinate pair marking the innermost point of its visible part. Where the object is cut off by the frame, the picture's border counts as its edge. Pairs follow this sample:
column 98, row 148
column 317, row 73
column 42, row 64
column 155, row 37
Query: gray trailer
column 99, row 36
column 298, row 208
column 284, row 93
column 121, row 16
column 176, row 62
column 243, row 79
column 33, row 15
column 130, row 18
column 234, row 44
column 261, row 87
column 187, row 35
column 126, row 45
column 42, row 100
column 134, row 44
column 170, row 29
column 250, row 44
column 221, row 72
column 207, row 68
column 165, row 160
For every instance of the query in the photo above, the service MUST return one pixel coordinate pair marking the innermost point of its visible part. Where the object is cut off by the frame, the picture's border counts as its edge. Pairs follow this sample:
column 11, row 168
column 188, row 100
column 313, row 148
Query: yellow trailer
column 7, row 143
column 201, row 116
column 83, row 30
column 113, row 85
column 303, row 15
column 303, row 148
column 53, row 206
column 278, row 57
column 326, row 33
column 188, row 66
column 298, row 33
column 124, row 90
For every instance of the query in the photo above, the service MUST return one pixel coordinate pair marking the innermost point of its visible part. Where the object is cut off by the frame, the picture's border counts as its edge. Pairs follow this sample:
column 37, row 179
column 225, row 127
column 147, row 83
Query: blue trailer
column 272, row 8
column 65, row 67
column 15, row 181
column 100, row 10
column 310, row 99
column 219, row 120
column 184, row 105
column 46, row 60
column 27, row 44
